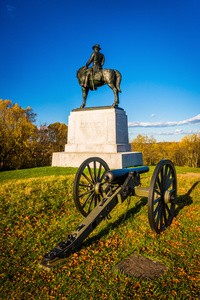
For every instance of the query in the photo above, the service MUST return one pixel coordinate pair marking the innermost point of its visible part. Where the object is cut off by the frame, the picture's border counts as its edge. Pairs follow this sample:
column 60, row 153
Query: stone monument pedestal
column 98, row 132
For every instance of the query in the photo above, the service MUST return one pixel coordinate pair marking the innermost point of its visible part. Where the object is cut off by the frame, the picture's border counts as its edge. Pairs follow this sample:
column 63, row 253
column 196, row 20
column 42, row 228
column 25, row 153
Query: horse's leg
column 85, row 93
column 112, row 86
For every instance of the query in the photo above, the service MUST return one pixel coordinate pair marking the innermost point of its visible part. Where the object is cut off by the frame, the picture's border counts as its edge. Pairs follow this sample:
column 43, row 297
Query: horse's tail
column 118, row 80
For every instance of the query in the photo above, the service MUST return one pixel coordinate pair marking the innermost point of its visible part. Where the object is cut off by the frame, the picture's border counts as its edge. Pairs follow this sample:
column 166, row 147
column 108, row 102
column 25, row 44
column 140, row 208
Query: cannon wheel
column 87, row 191
column 162, row 196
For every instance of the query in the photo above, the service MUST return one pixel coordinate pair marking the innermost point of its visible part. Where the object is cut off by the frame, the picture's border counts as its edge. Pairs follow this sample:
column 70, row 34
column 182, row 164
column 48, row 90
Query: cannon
column 97, row 190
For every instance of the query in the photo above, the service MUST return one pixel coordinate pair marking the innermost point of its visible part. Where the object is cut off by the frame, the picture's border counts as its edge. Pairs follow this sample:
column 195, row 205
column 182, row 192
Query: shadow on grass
column 182, row 201
column 185, row 200
column 130, row 213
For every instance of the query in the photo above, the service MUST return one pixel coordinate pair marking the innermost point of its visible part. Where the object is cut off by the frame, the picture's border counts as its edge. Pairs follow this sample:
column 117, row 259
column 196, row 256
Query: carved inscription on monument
column 95, row 125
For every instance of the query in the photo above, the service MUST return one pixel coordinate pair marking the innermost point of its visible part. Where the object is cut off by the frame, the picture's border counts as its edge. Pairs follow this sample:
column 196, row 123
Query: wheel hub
column 167, row 197
column 97, row 188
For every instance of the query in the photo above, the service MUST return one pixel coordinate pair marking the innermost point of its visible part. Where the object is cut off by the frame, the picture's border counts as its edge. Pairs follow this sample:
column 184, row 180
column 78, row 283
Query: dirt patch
column 197, row 175
column 141, row 267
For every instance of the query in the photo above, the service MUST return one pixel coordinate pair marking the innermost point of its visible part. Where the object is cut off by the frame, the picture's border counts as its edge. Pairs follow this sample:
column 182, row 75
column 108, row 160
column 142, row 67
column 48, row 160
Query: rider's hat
column 96, row 46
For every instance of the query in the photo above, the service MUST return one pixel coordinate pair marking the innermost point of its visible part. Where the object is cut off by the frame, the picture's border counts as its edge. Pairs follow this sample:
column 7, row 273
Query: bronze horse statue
column 105, row 76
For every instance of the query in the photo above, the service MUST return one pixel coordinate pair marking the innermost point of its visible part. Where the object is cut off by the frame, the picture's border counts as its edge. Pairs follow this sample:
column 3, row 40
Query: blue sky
column 154, row 44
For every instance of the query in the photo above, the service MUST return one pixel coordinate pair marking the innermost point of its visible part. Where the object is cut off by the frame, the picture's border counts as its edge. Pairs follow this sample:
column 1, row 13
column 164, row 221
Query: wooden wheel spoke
column 90, row 171
column 169, row 174
column 168, row 210
column 84, row 185
column 87, row 184
column 89, row 209
column 87, row 178
column 99, row 172
column 87, row 200
column 161, row 175
column 160, row 214
column 95, row 172
column 103, row 183
column 86, row 193
column 161, row 217
column 157, row 209
column 165, row 176
column 156, row 200
column 157, row 191
column 100, row 180
column 97, row 199
column 159, row 184
column 169, row 183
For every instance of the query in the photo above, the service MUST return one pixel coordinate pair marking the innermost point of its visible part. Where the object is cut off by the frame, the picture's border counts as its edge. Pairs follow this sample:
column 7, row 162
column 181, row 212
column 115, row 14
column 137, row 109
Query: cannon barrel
column 119, row 175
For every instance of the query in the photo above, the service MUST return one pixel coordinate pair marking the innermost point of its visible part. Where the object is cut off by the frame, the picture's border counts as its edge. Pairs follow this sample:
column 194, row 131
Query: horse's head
column 81, row 74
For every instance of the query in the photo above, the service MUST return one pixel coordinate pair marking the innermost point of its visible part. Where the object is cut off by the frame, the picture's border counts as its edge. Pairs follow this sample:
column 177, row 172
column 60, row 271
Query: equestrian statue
column 94, row 77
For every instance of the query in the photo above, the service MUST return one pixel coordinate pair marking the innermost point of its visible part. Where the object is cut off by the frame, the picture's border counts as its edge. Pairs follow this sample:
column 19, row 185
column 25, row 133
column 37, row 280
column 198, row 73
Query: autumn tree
column 147, row 146
column 184, row 153
column 22, row 143
column 190, row 146
column 174, row 153
column 16, row 130
column 49, row 139
column 58, row 136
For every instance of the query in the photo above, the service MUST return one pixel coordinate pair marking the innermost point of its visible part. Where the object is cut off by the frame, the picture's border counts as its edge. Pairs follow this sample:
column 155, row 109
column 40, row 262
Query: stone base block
column 114, row 160
column 100, row 148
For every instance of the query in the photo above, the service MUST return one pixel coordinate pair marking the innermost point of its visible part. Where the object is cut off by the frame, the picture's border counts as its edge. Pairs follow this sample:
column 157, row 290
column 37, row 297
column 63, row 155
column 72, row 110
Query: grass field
column 37, row 212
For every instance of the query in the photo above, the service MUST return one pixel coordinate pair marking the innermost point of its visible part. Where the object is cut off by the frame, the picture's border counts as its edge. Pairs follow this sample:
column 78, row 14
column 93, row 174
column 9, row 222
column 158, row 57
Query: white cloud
column 178, row 131
column 194, row 120
column 153, row 115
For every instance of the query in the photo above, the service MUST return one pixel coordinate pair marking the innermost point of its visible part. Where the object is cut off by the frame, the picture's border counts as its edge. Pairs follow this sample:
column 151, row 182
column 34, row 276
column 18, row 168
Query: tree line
column 22, row 143
column 183, row 153
column 25, row 145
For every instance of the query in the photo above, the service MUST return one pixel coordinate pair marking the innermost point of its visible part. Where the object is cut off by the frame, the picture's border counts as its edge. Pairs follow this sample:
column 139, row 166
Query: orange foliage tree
column 16, row 130
column 22, row 143
column 190, row 147
column 49, row 139
column 184, row 153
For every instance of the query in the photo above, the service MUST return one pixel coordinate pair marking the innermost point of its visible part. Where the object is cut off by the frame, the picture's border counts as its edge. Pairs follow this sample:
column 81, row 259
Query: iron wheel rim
column 87, row 184
column 162, row 196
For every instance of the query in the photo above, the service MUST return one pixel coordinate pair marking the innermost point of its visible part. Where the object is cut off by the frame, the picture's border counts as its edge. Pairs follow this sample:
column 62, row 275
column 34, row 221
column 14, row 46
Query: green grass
column 36, row 172
column 48, row 171
column 37, row 212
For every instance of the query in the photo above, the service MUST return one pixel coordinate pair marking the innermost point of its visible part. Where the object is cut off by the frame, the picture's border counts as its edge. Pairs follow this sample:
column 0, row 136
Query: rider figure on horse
column 94, row 77
column 98, row 61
